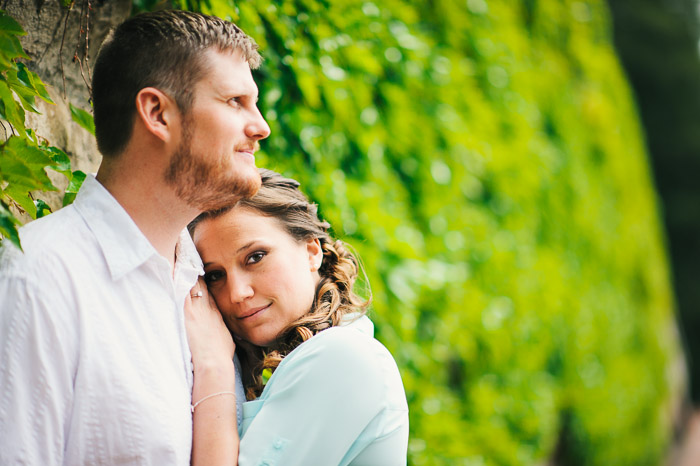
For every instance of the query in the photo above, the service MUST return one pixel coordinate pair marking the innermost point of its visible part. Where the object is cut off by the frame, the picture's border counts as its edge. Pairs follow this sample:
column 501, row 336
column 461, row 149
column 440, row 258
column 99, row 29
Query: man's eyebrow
column 239, row 90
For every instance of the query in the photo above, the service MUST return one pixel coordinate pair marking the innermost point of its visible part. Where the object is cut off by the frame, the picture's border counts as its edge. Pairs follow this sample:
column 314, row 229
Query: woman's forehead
column 240, row 224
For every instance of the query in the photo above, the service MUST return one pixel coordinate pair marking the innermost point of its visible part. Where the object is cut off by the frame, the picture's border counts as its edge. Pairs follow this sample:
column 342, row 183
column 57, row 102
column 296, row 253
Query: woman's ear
column 313, row 247
column 157, row 112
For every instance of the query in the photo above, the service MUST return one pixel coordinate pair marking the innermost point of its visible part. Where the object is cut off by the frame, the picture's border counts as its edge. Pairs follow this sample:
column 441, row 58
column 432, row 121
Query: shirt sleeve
column 319, row 402
column 38, row 350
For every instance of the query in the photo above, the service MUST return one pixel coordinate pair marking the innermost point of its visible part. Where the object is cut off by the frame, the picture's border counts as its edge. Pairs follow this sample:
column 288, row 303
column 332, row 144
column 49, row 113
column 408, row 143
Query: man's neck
column 149, row 201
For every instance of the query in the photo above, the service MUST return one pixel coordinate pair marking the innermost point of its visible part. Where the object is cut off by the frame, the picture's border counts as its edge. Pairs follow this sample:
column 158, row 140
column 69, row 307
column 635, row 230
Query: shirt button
column 278, row 444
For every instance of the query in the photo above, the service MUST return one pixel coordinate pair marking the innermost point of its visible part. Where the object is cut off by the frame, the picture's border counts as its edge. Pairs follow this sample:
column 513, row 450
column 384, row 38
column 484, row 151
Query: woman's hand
column 214, row 431
column 210, row 341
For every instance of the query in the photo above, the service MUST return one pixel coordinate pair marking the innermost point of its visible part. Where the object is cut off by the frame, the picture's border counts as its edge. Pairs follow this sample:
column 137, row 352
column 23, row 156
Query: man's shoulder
column 46, row 242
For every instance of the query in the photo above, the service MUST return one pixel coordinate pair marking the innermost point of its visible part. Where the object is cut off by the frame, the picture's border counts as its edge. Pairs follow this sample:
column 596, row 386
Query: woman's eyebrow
column 245, row 246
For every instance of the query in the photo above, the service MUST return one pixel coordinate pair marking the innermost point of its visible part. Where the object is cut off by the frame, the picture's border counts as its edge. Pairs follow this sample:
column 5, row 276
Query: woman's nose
column 239, row 290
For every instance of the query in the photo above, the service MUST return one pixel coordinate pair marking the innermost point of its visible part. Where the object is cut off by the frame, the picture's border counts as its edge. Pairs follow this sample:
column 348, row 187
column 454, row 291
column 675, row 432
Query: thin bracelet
column 210, row 396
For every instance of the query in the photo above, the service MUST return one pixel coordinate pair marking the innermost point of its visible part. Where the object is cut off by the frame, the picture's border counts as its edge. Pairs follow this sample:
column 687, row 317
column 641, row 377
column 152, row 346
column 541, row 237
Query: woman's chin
column 257, row 339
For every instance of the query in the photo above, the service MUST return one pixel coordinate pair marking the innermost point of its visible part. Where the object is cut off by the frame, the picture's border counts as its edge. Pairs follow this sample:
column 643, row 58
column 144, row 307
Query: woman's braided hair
column 280, row 198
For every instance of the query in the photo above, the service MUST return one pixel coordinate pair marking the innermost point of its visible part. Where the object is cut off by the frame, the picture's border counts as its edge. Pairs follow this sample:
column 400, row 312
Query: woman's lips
column 252, row 312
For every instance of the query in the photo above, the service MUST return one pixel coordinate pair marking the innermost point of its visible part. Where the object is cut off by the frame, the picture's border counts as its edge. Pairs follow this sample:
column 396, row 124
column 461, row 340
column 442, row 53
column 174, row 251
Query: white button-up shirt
column 94, row 363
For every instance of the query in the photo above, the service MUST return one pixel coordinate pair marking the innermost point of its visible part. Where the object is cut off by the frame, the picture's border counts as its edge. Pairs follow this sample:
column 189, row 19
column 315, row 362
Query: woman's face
column 261, row 278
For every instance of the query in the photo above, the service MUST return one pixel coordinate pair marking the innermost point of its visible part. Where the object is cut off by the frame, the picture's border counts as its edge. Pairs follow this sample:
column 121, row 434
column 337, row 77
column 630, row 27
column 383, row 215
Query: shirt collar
column 186, row 252
column 359, row 321
column 187, row 257
column 123, row 244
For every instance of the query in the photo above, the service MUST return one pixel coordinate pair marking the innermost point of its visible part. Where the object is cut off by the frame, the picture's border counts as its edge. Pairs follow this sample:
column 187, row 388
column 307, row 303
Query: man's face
column 214, row 164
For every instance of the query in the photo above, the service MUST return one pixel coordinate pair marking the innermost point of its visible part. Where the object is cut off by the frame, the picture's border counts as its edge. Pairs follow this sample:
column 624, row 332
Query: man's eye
column 235, row 101
column 255, row 257
column 211, row 277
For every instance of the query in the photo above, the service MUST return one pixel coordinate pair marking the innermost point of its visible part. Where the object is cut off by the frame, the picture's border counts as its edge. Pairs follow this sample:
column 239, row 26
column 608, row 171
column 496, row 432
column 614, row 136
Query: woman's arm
column 215, row 433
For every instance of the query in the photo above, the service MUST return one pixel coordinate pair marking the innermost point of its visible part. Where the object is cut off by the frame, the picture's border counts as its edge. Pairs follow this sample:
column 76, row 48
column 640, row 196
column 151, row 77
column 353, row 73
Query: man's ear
column 157, row 111
column 313, row 247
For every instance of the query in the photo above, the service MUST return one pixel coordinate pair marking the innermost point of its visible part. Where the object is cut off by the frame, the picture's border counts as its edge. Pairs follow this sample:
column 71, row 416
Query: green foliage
column 23, row 156
column 83, row 118
column 76, row 181
column 486, row 160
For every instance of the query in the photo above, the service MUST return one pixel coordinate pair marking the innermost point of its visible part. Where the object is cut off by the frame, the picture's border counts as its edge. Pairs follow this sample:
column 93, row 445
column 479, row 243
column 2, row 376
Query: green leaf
column 16, row 172
column 23, row 90
column 83, row 118
column 31, row 137
column 20, row 75
column 22, row 197
column 8, row 24
column 23, row 165
column 8, row 225
column 21, row 84
column 42, row 208
column 27, row 150
column 10, row 49
column 12, row 112
column 33, row 81
column 266, row 374
column 68, row 199
column 73, row 187
column 60, row 160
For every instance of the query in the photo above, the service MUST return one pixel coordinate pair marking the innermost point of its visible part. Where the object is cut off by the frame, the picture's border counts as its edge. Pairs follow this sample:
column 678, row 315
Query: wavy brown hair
column 280, row 198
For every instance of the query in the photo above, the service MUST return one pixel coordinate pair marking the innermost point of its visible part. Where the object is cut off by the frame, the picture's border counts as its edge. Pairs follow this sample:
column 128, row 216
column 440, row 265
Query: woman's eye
column 235, row 102
column 211, row 277
column 255, row 257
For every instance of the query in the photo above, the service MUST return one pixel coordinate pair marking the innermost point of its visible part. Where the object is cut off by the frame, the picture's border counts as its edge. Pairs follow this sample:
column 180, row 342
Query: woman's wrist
column 217, row 365
column 221, row 375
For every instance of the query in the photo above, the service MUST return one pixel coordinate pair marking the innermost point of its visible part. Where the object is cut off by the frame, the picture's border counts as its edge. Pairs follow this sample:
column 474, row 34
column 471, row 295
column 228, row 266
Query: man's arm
column 38, row 354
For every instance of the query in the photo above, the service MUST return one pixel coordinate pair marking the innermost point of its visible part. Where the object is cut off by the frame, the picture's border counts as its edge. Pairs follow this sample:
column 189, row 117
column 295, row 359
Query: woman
column 284, row 289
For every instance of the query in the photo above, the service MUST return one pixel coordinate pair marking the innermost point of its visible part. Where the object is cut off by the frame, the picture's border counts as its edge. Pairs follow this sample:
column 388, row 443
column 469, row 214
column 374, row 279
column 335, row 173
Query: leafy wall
column 42, row 52
column 487, row 162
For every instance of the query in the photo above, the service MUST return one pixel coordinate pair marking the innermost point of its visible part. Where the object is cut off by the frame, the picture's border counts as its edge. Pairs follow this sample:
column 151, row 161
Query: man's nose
column 257, row 128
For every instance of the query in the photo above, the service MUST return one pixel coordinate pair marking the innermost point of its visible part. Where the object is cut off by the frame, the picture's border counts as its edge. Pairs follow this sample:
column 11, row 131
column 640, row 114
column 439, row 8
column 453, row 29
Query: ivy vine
column 25, row 156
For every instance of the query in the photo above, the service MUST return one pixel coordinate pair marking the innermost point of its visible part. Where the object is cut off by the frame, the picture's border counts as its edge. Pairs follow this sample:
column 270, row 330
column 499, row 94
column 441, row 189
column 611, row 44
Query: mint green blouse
column 337, row 399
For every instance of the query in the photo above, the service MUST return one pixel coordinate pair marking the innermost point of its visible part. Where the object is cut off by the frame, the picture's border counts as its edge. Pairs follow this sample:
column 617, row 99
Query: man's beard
column 206, row 183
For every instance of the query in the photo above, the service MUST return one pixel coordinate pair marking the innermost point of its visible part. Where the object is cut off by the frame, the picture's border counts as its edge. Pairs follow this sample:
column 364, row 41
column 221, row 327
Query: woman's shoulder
column 346, row 355
column 352, row 340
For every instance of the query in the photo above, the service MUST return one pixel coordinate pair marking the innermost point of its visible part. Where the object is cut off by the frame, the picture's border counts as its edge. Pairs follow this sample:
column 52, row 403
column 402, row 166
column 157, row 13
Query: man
column 95, row 367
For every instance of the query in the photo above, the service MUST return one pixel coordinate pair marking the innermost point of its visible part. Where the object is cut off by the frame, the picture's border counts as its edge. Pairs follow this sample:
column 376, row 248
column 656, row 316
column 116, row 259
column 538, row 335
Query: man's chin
column 229, row 194
column 247, row 187
column 257, row 182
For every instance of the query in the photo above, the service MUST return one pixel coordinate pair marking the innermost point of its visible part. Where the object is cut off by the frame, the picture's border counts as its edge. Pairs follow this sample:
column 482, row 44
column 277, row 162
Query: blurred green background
column 486, row 160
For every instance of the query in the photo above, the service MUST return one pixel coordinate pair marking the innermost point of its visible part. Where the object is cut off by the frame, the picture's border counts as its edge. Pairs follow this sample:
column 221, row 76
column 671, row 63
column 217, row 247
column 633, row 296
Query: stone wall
column 52, row 32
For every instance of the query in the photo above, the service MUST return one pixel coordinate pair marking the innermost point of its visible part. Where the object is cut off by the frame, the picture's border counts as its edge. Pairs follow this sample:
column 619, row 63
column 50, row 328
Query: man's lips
column 252, row 312
column 249, row 149
column 247, row 152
